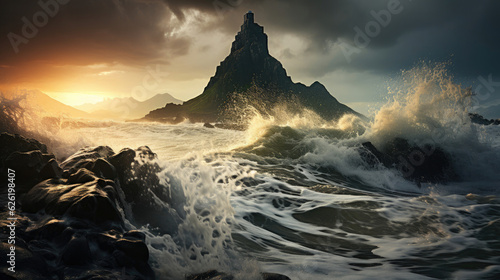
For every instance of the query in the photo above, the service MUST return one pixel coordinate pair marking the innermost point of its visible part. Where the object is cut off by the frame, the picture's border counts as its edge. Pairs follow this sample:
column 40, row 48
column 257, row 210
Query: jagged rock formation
column 251, row 72
column 476, row 118
column 421, row 164
column 71, row 217
column 68, row 223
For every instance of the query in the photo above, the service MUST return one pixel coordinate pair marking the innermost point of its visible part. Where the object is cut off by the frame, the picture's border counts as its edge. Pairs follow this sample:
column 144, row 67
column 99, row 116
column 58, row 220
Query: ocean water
column 293, row 195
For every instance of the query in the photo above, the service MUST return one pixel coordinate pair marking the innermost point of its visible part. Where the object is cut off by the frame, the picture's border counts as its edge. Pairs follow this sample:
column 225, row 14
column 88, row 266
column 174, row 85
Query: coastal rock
column 50, row 170
column 250, row 76
column 274, row 276
column 51, row 230
column 28, row 264
column 89, row 153
column 10, row 143
column 422, row 164
column 85, row 200
column 135, row 235
column 80, row 232
column 101, row 168
column 231, row 126
column 27, row 166
column 96, row 207
column 123, row 160
column 476, row 118
column 77, row 252
column 81, row 176
column 135, row 249
column 208, row 125
column 216, row 275
column 210, row 275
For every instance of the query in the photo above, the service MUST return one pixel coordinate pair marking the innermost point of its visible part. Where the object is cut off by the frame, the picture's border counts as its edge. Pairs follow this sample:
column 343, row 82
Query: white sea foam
column 293, row 195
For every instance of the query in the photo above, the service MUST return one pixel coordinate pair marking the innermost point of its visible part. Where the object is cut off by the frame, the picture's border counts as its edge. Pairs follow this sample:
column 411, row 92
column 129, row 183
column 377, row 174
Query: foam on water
column 203, row 241
column 293, row 195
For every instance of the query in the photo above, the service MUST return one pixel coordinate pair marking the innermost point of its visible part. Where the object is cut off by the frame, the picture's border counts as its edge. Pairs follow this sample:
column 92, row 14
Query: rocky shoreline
column 70, row 216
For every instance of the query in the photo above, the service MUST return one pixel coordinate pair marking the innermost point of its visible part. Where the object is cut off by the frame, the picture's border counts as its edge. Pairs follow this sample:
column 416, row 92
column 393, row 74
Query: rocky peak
column 251, row 35
column 250, row 71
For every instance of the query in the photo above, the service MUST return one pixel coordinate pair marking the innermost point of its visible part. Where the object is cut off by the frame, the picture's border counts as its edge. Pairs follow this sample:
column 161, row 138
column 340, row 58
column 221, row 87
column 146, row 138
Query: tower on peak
column 251, row 34
column 249, row 17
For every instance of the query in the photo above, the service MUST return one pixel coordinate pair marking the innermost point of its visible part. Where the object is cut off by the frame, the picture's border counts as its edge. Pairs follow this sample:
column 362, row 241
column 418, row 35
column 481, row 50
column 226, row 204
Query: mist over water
column 293, row 194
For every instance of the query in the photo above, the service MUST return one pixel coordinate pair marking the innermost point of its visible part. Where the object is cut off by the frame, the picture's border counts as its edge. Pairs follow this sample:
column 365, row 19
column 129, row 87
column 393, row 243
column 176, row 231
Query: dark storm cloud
column 83, row 33
column 461, row 31
column 139, row 32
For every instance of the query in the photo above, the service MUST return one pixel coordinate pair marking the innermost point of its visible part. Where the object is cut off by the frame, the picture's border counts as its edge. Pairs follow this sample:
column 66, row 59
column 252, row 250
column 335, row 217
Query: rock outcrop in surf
column 73, row 218
column 250, row 73
column 69, row 219
column 421, row 164
column 476, row 118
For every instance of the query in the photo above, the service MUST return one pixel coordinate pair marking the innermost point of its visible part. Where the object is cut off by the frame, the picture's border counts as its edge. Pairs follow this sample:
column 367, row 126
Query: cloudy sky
column 85, row 50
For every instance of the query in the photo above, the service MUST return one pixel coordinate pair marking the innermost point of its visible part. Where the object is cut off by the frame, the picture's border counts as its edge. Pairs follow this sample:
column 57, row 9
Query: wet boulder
column 144, row 154
column 274, row 276
column 95, row 207
column 80, row 200
column 50, row 230
column 216, row 275
column 135, row 249
column 208, row 125
column 80, row 232
column 28, row 265
column 151, row 201
column 77, row 252
column 135, row 235
column 27, row 166
column 10, row 143
column 103, row 169
column 89, row 153
column 123, row 160
column 210, row 275
column 419, row 163
column 135, row 254
column 50, row 170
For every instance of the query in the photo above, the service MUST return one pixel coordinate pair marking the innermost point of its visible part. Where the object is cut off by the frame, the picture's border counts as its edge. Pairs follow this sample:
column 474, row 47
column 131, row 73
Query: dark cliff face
column 248, row 68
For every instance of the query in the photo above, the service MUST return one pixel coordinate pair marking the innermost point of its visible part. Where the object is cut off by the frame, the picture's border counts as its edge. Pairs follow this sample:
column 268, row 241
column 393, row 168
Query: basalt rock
column 476, row 118
column 247, row 70
column 208, row 125
column 68, row 221
column 10, row 143
column 85, row 200
column 50, row 170
column 28, row 158
column 77, row 252
column 83, row 155
column 216, row 275
column 419, row 163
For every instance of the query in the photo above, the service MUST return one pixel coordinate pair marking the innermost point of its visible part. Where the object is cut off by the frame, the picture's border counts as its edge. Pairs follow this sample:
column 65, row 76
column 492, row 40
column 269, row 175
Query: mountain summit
column 250, row 72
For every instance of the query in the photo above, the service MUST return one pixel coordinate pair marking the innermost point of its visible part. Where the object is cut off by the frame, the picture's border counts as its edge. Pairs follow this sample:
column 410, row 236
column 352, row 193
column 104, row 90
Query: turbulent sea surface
column 293, row 195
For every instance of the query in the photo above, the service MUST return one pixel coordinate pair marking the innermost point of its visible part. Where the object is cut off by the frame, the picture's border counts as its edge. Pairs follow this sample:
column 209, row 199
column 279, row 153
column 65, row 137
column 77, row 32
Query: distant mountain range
column 250, row 75
column 126, row 108
column 115, row 108
column 43, row 104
